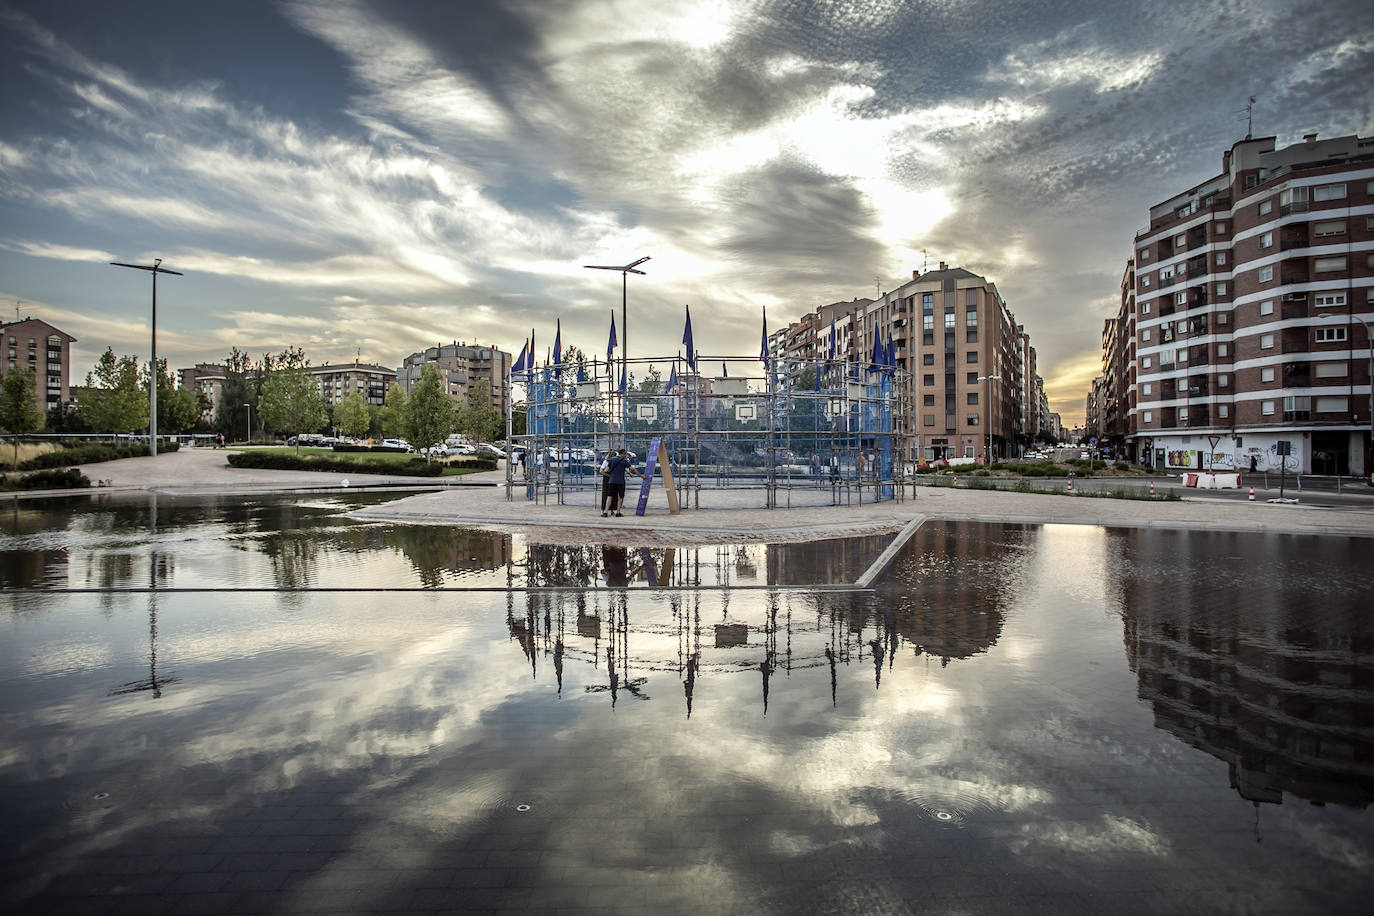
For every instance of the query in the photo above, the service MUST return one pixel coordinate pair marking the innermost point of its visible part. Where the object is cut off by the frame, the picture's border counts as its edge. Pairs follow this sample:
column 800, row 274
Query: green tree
column 429, row 411
column 518, row 424
column 653, row 382
column 477, row 418
column 374, row 421
column 178, row 409
column 393, row 412
column 351, row 416
column 239, row 388
column 114, row 401
column 290, row 399
column 19, row 413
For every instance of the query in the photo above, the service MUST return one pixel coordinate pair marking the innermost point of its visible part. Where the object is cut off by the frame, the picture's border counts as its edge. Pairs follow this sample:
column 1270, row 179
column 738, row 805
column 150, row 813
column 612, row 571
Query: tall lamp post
column 624, row 271
column 987, row 412
column 1369, row 342
column 155, row 269
column 249, row 439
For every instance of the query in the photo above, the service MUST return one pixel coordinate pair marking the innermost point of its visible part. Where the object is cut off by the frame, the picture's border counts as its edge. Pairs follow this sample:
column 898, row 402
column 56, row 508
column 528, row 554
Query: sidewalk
column 726, row 516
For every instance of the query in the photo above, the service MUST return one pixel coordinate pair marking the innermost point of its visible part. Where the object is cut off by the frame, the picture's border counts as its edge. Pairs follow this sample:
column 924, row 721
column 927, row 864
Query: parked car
column 491, row 451
column 397, row 443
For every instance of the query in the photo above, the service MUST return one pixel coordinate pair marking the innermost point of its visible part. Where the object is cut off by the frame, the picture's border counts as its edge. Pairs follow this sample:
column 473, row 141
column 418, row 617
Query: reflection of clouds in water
column 1109, row 836
column 67, row 657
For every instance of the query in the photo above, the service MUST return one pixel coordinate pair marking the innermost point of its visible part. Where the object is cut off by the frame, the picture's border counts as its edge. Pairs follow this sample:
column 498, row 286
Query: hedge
column 417, row 468
column 88, row 453
column 49, row 479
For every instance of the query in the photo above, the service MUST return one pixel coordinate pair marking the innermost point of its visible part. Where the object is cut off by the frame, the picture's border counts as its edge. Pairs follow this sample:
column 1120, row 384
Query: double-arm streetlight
column 987, row 413
column 249, row 439
column 155, row 269
column 624, row 271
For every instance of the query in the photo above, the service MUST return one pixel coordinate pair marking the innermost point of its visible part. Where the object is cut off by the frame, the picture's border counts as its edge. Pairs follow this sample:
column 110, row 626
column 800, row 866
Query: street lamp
column 249, row 439
column 1369, row 342
column 987, row 413
column 156, row 269
column 625, row 271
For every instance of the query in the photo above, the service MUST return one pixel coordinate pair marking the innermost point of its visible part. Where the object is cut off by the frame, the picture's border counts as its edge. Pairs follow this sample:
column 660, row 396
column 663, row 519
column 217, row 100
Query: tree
column 477, row 418
column 653, row 382
column 374, row 421
column 290, row 399
column 429, row 411
column 519, row 418
column 351, row 416
column 240, row 387
column 114, row 400
column 178, row 409
column 19, row 413
column 393, row 412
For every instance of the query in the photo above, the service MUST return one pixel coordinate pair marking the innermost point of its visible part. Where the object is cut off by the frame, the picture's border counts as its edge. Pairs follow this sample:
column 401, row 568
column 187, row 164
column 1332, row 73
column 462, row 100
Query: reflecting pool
column 1021, row 718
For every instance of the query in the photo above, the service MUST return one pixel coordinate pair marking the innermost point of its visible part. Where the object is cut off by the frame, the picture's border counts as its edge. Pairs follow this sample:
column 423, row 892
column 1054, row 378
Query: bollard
column 1068, row 485
column 956, row 480
column 1252, row 494
column 1152, row 488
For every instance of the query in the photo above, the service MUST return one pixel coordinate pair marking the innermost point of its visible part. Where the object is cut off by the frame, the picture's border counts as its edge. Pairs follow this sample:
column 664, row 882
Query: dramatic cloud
column 384, row 176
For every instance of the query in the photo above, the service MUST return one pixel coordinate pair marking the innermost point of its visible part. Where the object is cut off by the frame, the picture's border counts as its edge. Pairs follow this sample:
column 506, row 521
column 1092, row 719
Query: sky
column 369, row 179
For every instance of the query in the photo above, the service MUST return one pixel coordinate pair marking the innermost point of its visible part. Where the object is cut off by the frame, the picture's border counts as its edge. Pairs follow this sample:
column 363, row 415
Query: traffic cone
column 1252, row 494
column 1068, row 486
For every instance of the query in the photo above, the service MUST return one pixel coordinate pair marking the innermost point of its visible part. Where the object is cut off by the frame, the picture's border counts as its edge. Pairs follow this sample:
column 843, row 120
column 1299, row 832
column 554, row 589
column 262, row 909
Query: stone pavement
column 479, row 500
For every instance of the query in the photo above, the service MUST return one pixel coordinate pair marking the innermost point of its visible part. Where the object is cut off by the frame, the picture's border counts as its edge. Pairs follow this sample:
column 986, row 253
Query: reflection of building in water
column 705, row 634
column 1274, row 683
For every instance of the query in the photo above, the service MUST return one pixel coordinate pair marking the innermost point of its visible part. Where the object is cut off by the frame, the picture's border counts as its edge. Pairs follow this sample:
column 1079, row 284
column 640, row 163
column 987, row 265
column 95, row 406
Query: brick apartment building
column 369, row 380
column 1253, row 298
column 461, row 365
column 33, row 343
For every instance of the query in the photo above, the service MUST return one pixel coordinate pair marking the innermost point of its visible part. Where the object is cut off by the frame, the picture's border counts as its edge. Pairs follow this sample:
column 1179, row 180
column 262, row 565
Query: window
column 1221, row 289
column 1333, row 405
column 1145, row 362
column 1328, row 192
column 928, row 380
column 1147, row 388
column 1147, row 417
column 972, row 378
column 973, row 399
column 1223, row 381
column 1221, row 227
column 1267, row 307
column 1251, row 181
column 1145, row 307
column 971, row 319
column 1266, row 240
column 1326, row 300
column 928, row 419
column 1329, row 227
column 1267, row 408
column 927, row 302
column 1267, row 374
column 1181, row 356
column 1328, row 370
column 1223, row 410
column 928, row 400
column 1330, row 335
column 1183, row 415
column 1266, row 206
column 949, row 321
column 1181, row 297
column 1165, row 273
column 1144, row 254
column 1324, row 265
column 928, row 359
column 928, row 322
column 970, row 297
column 1369, row 223
column 1292, row 196
column 1144, row 281
column 971, row 335
column 973, row 419
column 1221, row 349
column 1181, row 240
column 1221, row 258
column 971, row 356
column 1266, row 274
column 1145, row 336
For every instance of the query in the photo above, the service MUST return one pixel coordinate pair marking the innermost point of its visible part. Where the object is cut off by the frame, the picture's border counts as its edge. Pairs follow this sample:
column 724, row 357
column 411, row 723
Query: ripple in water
column 949, row 803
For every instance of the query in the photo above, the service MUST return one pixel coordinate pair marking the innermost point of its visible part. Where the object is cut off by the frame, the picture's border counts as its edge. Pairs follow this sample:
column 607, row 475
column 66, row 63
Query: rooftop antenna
column 1249, row 111
column 17, row 303
column 924, row 260
column 877, row 286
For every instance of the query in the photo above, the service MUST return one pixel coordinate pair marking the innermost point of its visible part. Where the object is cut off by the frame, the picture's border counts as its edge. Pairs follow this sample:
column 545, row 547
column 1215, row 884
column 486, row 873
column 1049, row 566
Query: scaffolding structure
column 814, row 432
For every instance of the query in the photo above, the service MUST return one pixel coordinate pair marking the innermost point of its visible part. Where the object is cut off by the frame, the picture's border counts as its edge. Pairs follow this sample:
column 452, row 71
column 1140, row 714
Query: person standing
column 617, row 467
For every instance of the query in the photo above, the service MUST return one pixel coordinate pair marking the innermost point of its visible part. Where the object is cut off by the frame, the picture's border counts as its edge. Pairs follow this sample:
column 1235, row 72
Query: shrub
column 417, row 467
column 89, row 453
column 49, row 479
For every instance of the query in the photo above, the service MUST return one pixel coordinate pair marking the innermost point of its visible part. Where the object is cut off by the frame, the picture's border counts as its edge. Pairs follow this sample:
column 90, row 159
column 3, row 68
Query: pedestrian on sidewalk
column 617, row 467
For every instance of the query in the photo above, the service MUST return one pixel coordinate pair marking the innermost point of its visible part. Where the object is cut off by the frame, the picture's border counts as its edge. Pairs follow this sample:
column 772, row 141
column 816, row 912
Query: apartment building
column 33, row 343
column 206, row 379
column 461, row 365
column 1253, row 295
column 369, row 380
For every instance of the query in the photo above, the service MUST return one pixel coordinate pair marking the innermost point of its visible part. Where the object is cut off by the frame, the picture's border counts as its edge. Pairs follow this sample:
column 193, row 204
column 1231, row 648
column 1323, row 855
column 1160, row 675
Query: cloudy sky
column 373, row 178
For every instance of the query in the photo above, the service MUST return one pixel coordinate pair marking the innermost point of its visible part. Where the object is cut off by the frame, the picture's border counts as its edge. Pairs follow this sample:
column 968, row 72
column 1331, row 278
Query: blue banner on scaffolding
column 650, row 461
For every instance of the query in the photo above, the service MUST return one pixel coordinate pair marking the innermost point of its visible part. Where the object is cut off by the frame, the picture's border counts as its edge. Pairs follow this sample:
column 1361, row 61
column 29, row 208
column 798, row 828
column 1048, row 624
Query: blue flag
column 558, row 344
column 876, row 357
column 763, row 344
column 623, row 383
column 724, row 372
column 672, row 380
column 612, row 343
column 581, row 373
column 832, row 336
column 687, row 341
column 518, row 367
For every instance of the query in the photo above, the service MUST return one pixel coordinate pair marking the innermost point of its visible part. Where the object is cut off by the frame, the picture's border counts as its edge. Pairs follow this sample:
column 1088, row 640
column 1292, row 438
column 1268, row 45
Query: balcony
column 1297, row 375
column 1196, row 421
column 1169, row 280
column 1290, row 416
column 1197, row 266
column 1289, row 279
column 1198, row 391
column 1295, row 308
column 1295, row 297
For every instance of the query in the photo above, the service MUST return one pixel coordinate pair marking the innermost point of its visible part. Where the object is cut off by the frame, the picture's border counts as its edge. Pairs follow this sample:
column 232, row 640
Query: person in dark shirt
column 616, row 468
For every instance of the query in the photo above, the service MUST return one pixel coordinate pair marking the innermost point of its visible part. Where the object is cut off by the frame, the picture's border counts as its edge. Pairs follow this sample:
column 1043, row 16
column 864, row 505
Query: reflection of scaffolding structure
column 832, row 429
